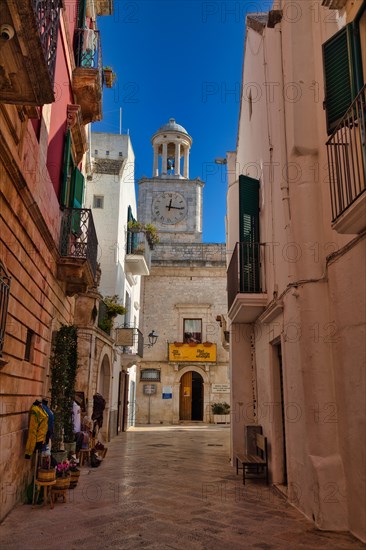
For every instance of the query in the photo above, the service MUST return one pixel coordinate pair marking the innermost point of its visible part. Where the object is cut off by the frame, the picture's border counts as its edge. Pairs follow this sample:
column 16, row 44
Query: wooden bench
column 255, row 462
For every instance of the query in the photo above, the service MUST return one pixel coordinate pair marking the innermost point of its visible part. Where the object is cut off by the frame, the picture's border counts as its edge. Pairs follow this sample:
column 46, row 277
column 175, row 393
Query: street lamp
column 152, row 339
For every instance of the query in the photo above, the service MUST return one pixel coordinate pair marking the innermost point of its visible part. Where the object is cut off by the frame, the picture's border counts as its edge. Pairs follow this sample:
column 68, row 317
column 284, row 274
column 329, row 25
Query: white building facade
column 296, row 220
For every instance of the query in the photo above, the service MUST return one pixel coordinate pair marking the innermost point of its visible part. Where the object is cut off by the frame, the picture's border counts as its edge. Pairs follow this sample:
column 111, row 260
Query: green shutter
column 82, row 14
column 77, row 189
column 65, row 187
column 249, row 209
column 338, row 76
column 249, row 260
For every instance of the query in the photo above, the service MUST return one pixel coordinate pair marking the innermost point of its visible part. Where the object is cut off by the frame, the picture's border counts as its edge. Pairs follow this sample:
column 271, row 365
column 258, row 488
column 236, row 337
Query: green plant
column 135, row 226
column 220, row 408
column 151, row 234
column 64, row 364
column 109, row 308
column 114, row 308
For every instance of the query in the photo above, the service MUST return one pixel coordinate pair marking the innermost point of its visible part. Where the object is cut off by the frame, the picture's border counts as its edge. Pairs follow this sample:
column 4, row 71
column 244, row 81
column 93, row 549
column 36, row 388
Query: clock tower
column 170, row 200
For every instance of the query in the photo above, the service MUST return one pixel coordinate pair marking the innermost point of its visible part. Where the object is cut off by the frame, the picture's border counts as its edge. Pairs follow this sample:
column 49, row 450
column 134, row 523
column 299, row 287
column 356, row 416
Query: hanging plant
column 109, row 309
column 63, row 378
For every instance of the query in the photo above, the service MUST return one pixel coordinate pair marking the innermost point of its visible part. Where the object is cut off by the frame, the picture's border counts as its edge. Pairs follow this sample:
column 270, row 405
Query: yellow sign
column 197, row 353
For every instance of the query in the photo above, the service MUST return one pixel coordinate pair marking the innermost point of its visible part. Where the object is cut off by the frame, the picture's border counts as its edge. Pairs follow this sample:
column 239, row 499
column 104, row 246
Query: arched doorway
column 103, row 387
column 191, row 396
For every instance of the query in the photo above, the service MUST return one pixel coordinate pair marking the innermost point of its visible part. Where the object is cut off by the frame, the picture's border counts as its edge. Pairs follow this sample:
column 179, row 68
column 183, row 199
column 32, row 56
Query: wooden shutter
column 339, row 76
column 77, row 189
column 249, row 234
column 67, row 166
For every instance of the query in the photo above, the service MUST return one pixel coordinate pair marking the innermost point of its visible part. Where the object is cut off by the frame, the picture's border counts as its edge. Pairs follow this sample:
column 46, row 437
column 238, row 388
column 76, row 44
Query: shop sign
column 196, row 353
column 167, row 392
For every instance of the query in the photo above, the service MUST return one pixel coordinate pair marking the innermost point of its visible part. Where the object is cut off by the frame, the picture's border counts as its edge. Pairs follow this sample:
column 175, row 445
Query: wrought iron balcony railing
column 78, row 236
column 347, row 157
column 48, row 18
column 88, row 74
column 245, row 274
column 138, row 251
column 4, row 300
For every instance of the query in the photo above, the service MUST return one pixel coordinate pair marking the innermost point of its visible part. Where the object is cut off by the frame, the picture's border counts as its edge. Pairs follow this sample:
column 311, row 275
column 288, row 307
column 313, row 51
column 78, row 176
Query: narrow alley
column 167, row 487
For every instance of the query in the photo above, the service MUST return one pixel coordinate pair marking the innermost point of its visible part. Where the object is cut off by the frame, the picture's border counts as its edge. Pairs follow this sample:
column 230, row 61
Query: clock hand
column 177, row 207
column 170, row 205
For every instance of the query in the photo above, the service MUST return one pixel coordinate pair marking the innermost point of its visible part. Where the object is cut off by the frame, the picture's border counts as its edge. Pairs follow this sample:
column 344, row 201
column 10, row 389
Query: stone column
column 186, row 163
column 177, row 159
column 165, row 158
column 156, row 160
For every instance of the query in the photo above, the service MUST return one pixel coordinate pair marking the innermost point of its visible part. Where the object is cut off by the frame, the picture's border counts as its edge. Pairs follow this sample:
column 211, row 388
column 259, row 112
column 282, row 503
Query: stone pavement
column 167, row 488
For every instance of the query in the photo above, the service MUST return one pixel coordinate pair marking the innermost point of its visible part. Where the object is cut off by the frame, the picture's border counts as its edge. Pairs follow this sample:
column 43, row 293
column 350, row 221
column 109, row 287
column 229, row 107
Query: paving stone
column 182, row 497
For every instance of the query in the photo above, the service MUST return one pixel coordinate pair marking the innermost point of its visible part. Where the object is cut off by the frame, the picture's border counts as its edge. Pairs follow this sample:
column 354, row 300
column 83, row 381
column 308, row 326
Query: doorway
column 279, row 414
column 191, row 397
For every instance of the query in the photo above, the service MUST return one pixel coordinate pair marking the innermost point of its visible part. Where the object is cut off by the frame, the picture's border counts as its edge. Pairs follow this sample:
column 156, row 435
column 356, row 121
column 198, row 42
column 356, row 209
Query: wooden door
column 185, row 408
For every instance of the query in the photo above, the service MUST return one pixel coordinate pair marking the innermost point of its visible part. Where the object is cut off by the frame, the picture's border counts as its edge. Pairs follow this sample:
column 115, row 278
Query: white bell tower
column 171, row 143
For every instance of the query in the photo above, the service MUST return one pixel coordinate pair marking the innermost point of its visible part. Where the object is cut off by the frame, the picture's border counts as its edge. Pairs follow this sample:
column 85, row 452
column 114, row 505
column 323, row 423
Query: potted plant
column 221, row 412
column 111, row 308
column 151, row 234
column 135, row 226
column 109, row 76
column 63, row 377
column 62, row 476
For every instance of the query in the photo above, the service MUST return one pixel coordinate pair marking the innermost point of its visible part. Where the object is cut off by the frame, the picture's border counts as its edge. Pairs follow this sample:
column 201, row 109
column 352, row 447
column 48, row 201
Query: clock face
column 169, row 207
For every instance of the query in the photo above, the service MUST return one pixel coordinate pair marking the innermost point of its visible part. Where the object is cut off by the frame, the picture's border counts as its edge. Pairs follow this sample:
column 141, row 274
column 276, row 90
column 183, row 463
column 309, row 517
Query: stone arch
column 206, row 391
column 104, row 382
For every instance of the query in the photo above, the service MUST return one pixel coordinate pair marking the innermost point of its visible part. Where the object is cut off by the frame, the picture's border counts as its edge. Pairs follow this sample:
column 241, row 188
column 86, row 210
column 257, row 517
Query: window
column 107, row 153
column 29, row 346
column 4, row 300
column 342, row 73
column 150, row 374
column 192, row 331
column 72, row 189
column 98, row 201
column 249, row 233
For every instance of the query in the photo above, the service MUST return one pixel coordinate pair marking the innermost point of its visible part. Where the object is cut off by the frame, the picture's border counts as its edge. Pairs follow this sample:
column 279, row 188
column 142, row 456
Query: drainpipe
column 285, row 172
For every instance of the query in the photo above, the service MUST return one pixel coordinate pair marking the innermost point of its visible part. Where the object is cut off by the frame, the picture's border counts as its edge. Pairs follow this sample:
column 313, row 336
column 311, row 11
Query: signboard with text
column 197, row 353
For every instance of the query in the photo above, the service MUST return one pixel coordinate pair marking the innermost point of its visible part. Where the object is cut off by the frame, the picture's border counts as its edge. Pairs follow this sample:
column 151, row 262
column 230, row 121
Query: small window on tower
column 98, row 201
column 107, row 153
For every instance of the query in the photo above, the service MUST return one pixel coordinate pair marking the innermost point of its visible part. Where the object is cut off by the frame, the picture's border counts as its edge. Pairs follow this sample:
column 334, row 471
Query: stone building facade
column 296, row 236
column 184, row 296
column 48, row 245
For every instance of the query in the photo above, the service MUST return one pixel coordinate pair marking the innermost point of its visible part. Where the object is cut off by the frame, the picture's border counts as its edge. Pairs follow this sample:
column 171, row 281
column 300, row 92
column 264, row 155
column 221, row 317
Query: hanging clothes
column 76, row 417
column 38, row 426
column 51, row 419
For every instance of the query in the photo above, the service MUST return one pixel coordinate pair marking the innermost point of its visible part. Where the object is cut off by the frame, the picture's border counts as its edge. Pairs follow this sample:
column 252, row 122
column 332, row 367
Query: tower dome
column 170, row 143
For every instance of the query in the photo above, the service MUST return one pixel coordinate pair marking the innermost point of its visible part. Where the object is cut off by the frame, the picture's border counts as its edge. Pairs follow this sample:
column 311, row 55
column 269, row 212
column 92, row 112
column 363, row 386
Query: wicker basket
column 46, row 475
column 61, row 484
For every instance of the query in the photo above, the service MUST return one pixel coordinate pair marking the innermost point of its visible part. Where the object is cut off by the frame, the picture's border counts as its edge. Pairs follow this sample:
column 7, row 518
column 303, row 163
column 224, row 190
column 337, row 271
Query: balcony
column 77, row 266
column 347, row 169
column 87, row 79
column 138, row 254
column 27, row 59
column 130, row 339
column 77, row 128
column 247, row 297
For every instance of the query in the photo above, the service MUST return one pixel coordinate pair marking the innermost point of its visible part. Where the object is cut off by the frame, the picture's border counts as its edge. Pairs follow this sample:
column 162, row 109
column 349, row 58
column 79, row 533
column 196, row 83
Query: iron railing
column 78, row 236
column 138, row 244
column 88, row 51
column 4, row 300
column 48, row 22
column 245, row 274
column 347, row 157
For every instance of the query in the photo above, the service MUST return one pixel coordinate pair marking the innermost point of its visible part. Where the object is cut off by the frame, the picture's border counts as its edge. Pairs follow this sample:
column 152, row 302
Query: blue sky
column 180, row 59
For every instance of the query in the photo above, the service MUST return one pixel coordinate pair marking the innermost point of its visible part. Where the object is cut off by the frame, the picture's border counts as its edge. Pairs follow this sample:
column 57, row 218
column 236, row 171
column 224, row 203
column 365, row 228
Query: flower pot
column 222, row 418
column 74, row 478
column 46, row 475
column 59, row 456
column 61, row 484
